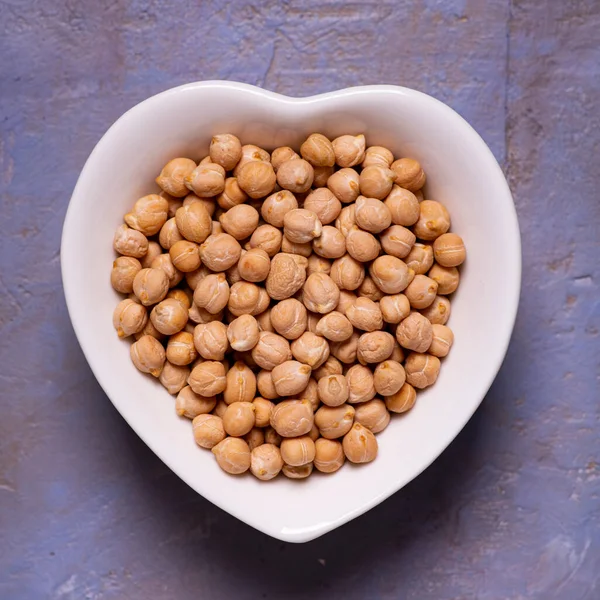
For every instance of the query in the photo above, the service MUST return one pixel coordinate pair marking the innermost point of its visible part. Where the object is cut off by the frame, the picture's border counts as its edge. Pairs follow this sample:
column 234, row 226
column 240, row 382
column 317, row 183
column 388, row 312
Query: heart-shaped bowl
column 461, row 172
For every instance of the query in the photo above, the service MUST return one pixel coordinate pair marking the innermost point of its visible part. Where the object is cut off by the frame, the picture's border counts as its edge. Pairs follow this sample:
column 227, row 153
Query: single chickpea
column 256, row 178
column 264, row 321
column 333, row 390
column 316, row 263
column 212, row 293
column 266, row 462
column 262, row 411
column 415, row 333
column 295, row 175
column 268, row 238
column 270, row 350
column 347, row 299
column 447, row 279
column 397, row 353
column 297, row 451
column 421, row 291
column 318, row 151
column 439, row 311
column 324, row 204
column 335, row 327
column 403, row 400
column 232, row 195
column 332, row 366
column 208, row 378
column 310, row 349
column 124, row 270
column 360, row 445
column 362, row 245
column 388, row 378
column 320, row 293
column 292, row 418
column 251, row 153
column 164, row 262
column 240, row 221
column 409, row 174
column 241, row 384
column 361, row 386
column 173, row 377
column 390, row 274
column 265, row 385
column 345, row 351
column 130, row 242
column 369, row 290
column 365, row 314
column 246, row 298
column 220, row 251
column 233, row 455
column 289, row 318
column 374, row 347
column 397, row 240
column 225, row 150
column 290, row 378
column 285, row 277
column 169, row 316
column 329, row 455
column 242, row 333
column 442, row 341
column 420, row 258
column 169, row 234
column 334, row 421
column 154, row 250
column 149, row 329
column 201, row 316
column 173, row 174
column 193, row 278
column 206, row 180
column 148, row 355
column 376, row 181
column 345, row 185
column 422, row 370
column 297, row 472
column 434, row 220
column 347, row 273
column 208, row 430
column 148, row 215
column 373, row 415
column 449, row 250
column 208, row 203
column 255, row 438
column 129, row 317
column 184, row 256
column 288, row 247
column 210, row 340
column 322, row 175
column 238, row 419
column 349, row 150
column 403, row 206
column 150, row 286
column 276, row 206
column 281, row 155
column 377, row 156
column 301, row 226
column 346, row 221
column 181, row 349
column 371, row 214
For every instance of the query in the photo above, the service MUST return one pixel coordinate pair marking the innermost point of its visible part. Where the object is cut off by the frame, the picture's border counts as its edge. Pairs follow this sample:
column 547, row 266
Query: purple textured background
column 509, row 511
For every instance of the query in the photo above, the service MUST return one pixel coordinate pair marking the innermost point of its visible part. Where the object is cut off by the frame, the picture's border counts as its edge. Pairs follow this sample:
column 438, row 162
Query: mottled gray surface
column 509, row 511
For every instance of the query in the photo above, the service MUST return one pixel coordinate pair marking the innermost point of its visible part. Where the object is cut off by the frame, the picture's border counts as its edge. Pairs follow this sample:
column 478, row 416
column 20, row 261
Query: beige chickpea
column 241, row 384
column 212, row 293
column 415, row 333
column 322, row 175
column 346, row 221
column 206, row 180
column 403, row 206
column 208, row 430
column 210, row 340
column 130, row 242
column 149, row 329
column 369, row 290
column 233, row 455
column 333, row 390
column 276, row 206
column 148, row 355
column 371, row 214
column 165, row 263
column 332, row 366
column 193, row 278
column 447, row 278
column 281, row 155
column 129, row 317
column 124, row 270
column 173, row 174
column 169, row 316
column 295, row 175
column 240, row 221
column 388, row 378
column 181, row 349
column 292, row 418
column 154, row 250
column 256, row 178
column 318, row 264
column 374, row 347
column 345, row 351
column 208, row 378
column 349, row 150
column 220, row 408
column 225, row 150
column 449, row 250
column 220, row 252
column 208, row 203
column 324, row 204
column 267, row 238
column 262, row 411
column 361, row 386
column 373, row 415
column 184, row 296
column 148, row 215
column 320, row 293
column 247, row 298
column 346, row 300
column 150, row 286
column 329, row 455
column 345, row 185
column 238, row 419
column 442, row 341
column 334, row 421
column 297, row 451
column 335, row 327
column 347, row 273
column 242, row 333
column 264, row 383
column 409, row 174
column 397, row 353
column 377, row 156
column 310, row 349
column 232, row 194
column 404, row 399
column 421, row 291
column 297, row 472
column 433, row 221
column 285, row 277
column 200, row 315
column 251, row 153
column 390, row 274
column 397, row 240
column 290, row 378
column 271, row 350
column 318, row 151
column 169, row 234
column 359, row 444
column 266, row 462
column 362, row 245
column 189, row 404
column 365, row 314
column 310, row 393
column 420, row 258
column 173, row 377
column 289, row 318
column 184, row 256
column 422, row 370
column 288, row 247
column 376, row 181
column 301, row 226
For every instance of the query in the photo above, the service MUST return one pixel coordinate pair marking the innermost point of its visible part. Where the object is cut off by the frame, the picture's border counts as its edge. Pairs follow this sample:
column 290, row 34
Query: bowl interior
column 462, row 174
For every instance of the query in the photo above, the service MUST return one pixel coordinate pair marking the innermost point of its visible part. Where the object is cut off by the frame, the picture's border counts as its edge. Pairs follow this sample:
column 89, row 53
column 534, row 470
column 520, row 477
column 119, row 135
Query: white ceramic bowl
column 461, row 172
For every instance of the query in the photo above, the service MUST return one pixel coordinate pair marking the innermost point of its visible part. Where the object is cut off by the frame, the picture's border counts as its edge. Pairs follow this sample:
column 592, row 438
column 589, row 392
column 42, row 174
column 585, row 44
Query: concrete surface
column 510, row 511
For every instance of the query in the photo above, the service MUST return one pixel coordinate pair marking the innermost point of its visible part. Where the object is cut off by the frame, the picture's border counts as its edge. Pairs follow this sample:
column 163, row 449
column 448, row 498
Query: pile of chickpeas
column 289, row 301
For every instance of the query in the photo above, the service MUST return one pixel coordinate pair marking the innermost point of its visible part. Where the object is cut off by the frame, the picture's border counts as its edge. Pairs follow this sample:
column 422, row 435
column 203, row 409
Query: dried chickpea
column 433, row 221
column 332, row 366
column 184, row 296
column 376, row 181
column 318, row 264
column 415, row 333
column 173, row 377
column 377, row 155
column 361, row 386
column 262, row 411
column 421, row 291
column 289, row 318
column 295, row 175
column 373, row 415
column 334, row 421
column 347, row 299
column 268, row 238
column 251, row 153
column 349, row 150
column 208, row 378
column 238, row 419
column 206, row 180
column 290, row 378
column 193, row 278
column 150, row 286
column 241, row 384
column 447, row 278
column 129, row 317
column 422, row 370
column 181, row 349
column 371, row 214
column 240, row 221
column 220, row 252
column 212, row 293
column 281, row 155
column 345, row 185
column 409, row 174
column 310, row 349
column 208, row 430
column 347, row 273
column 242, row 333
column 225, row 150
column 270, row 350
column 360, row 445
column 292, row 418
column 369, row 290
column 449, row 250
column 297, row 451
column 310, row 393
column 335, row 327
column 420, row 258
column 322, row 175
column 130, row 242
column 362, row 245
column 346, row 221
column 169, row 316
column 397, row 240
column 247, row 298
column 173, row 174
column 333, row 390
column 165, row 263
column 266, row 462
column 169, row 234
column 320, row 293
column 402, row 400
column 208, row 203
column 329, row 455
column 388, row 378
column 318, row 151
column 210, row 340
column 301, row 226
column 304, row 250
column 264, row 383
column 324, row 204
column 256, row 178
column 442, row 341
column 124, row 270
column 233, row 455
column 374, row 347
column 297, row 472
column 154, row 250
column 403, row 206
column 148, row 215
column 232, row 195
column 184, row 256
column 345, row 351
column 276, row 206
column 148, row 355
column 148, row 329
column 390, row 274
column 285, row 277
column 365, row 314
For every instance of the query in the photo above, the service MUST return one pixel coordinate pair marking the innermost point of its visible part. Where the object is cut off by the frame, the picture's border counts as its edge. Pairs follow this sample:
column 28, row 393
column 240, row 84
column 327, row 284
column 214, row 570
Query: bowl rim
column 512, row 298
